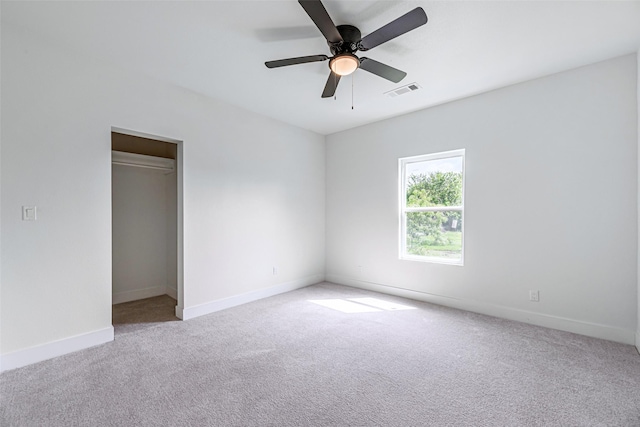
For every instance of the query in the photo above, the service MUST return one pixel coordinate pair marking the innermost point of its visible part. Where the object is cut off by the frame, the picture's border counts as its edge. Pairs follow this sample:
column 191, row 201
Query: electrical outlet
column 534, row 296
column 275, row 271
column 359, row 269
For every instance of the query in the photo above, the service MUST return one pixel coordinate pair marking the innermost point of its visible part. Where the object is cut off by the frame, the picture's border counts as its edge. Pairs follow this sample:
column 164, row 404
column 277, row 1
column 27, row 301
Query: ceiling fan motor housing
column 351, row 36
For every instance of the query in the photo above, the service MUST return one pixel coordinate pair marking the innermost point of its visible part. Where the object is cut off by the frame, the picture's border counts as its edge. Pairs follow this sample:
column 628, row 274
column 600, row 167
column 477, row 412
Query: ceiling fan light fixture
column 344, row 64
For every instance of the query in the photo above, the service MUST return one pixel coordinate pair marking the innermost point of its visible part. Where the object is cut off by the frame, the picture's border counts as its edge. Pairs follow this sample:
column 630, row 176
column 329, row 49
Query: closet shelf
column 142, row 161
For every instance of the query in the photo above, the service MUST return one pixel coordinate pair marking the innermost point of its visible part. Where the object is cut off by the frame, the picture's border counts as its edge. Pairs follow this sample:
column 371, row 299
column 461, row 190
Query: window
column 432, row 207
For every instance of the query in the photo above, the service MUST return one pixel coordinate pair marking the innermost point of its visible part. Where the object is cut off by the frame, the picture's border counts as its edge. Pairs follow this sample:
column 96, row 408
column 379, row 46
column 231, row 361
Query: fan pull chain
column 352, row 89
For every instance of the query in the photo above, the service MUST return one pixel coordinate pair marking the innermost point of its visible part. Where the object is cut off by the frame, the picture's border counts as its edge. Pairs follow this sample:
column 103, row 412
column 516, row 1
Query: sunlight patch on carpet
column 361, row 305
column 344, row 305
column 384, row 305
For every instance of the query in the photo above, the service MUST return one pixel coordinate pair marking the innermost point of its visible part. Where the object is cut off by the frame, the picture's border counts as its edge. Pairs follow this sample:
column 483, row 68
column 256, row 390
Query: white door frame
column 180, row 202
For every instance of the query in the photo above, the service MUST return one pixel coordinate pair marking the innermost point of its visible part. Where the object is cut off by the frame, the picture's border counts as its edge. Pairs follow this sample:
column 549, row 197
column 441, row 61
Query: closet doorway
column 146, row 214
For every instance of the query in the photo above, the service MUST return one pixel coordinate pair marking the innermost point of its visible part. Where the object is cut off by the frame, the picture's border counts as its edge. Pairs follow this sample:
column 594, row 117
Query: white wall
column 0, row 207
column 638, row 121
column 253, row 191
column 143, row 245
column 171, row 230
column 551, row 201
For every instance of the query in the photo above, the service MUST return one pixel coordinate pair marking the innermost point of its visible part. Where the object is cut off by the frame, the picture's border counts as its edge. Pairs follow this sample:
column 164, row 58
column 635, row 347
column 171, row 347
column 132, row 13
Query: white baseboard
column 595, row 330
column 28, row 356
column 638, row 337
column 222, row 304
column 120, row 297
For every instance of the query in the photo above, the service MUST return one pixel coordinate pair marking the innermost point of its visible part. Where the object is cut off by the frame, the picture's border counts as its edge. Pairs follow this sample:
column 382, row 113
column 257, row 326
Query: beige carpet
column 145, row 311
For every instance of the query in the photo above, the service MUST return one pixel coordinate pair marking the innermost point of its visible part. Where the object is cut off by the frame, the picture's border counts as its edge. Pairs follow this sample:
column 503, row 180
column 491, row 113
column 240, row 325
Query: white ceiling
column 218, row 48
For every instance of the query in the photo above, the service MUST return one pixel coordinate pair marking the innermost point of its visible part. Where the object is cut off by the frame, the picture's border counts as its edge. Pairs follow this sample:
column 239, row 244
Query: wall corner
column 638, row 201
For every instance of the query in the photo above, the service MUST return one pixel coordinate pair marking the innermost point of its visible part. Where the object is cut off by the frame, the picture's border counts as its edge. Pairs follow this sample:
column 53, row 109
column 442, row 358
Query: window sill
column 433, row 260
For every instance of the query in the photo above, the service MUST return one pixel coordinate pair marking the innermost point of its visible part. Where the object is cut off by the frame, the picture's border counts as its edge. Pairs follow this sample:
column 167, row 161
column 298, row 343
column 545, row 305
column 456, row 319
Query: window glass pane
column 434, row 234
column 434, row 183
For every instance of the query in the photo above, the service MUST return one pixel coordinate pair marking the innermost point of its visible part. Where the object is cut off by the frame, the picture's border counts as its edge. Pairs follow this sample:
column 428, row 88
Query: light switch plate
column 29, row 213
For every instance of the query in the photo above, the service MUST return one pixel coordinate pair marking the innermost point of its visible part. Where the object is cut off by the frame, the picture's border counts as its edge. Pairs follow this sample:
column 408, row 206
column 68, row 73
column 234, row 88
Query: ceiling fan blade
column 393, row 29
column 318, row 14
column 382, row 70
column 331, row 86
column 294, row 61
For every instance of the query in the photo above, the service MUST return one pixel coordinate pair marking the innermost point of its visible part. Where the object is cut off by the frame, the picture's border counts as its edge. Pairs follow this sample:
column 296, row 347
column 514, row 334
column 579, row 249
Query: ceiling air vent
column 411, row 87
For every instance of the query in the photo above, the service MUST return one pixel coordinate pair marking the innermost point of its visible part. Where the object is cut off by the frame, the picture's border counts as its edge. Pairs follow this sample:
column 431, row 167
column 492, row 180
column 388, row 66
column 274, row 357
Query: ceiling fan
column 345, row 40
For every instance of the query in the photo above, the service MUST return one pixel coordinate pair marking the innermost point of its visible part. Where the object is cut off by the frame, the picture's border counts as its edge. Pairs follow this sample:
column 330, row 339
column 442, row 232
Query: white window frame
column 402, row 163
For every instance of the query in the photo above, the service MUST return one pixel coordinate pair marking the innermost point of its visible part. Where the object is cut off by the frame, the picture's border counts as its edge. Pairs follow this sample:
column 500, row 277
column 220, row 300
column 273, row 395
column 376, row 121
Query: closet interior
column 144, row 229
